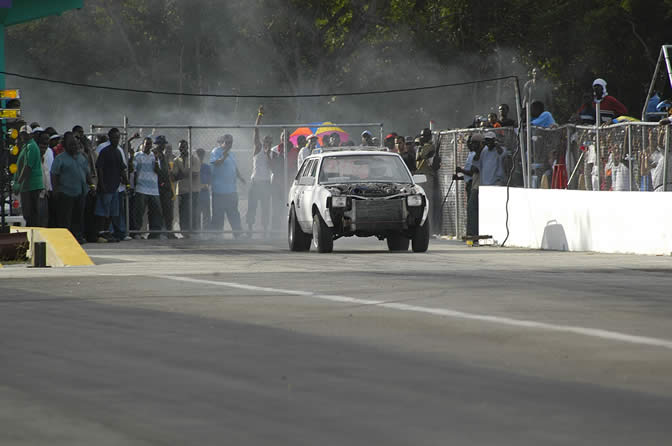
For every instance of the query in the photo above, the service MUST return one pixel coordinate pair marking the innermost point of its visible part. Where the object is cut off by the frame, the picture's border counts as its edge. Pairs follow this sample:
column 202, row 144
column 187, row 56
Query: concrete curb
column 62, row 248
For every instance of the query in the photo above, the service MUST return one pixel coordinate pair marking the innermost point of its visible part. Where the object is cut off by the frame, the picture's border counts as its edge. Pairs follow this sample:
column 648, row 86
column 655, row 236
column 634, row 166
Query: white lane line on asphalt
column 446, row 312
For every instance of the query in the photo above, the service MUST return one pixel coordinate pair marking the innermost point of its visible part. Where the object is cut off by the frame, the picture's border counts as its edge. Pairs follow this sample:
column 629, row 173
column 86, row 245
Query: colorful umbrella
column 305, row 131
column 325, row 129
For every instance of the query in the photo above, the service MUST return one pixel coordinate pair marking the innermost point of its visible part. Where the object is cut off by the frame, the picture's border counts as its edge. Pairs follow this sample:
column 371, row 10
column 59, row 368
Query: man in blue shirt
column 224, row 186
column 71, row 181
column 541, row 118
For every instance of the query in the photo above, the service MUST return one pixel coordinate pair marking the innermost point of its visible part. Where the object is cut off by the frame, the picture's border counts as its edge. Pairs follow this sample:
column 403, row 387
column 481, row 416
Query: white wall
column 567, row 220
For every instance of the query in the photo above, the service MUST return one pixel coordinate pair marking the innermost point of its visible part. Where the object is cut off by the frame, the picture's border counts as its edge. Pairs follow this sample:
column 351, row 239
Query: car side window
column 306, row 178
column 299, row 174
column 313, row 169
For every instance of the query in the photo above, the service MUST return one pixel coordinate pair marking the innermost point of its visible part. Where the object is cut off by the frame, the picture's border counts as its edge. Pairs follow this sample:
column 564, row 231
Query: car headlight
column 339, row 202
column 414, row 200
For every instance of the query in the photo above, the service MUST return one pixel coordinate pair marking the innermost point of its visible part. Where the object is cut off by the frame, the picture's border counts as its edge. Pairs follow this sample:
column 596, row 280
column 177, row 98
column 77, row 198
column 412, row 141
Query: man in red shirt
column 607, row 103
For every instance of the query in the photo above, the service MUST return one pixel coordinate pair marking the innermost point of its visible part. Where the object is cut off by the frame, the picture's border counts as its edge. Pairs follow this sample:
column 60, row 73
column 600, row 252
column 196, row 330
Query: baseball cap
column 159, row 139
column 26, row 129
column 366, row 132
column 477, row 137
column 490, row 135
column 56, row 136
column 38, row 129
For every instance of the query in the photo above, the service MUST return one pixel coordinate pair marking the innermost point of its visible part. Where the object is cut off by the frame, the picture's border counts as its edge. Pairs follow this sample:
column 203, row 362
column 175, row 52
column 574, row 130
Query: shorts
column 107, row 205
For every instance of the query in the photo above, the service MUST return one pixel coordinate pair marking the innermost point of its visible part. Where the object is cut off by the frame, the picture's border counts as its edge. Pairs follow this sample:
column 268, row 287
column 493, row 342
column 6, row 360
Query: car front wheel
column 298, row 240
column 323, row 239
column 420, row 240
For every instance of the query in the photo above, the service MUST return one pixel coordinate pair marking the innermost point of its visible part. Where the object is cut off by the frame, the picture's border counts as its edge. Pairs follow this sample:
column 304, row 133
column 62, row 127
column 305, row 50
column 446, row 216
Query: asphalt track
column 223, row 342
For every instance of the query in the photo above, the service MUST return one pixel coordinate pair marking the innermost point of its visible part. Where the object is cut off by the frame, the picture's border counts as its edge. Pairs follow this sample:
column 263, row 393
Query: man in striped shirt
column 147, row 189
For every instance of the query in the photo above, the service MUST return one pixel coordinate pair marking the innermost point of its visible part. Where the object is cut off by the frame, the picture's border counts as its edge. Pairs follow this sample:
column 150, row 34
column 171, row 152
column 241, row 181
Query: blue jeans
column 225, row 204
column 118, row 227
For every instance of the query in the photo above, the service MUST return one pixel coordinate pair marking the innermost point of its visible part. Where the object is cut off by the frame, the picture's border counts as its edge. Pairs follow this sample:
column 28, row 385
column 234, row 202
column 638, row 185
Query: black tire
column 323, row 238
column 298, row 240
column 397, row 242
column 420, row 241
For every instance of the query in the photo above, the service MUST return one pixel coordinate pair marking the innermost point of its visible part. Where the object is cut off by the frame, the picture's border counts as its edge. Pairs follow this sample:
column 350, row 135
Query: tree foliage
column 309, row 46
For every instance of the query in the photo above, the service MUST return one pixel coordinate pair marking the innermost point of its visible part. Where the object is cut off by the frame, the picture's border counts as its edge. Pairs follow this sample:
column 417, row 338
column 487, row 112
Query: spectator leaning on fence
column 620, row 173
column 72, row 182
column 187, row 172
column 224, row 186
column 147, row 189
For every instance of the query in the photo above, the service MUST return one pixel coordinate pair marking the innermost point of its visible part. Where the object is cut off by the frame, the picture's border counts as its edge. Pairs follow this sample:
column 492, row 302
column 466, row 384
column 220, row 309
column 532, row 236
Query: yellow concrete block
column 62, row 248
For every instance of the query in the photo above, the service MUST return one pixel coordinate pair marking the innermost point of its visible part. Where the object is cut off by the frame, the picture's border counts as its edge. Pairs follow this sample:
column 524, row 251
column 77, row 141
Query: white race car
column 364, row 193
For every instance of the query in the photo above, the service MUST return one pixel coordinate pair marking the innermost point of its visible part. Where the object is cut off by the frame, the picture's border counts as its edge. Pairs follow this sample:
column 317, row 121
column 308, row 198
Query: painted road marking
column 446, row 312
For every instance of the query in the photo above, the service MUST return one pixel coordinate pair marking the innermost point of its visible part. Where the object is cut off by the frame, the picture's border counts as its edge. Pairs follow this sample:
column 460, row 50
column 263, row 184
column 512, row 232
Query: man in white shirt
column 620, row 174
column 147, row 189
column 307, row 151
column 260, row 185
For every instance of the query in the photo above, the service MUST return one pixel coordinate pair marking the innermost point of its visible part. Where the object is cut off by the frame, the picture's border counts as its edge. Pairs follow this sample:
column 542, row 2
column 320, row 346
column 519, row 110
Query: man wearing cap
column 367, row 138
column 607, row 102
column 390, row 141
column 225, row 174
column 492, row 162
column 472, row 171
column 28, row 180
column 307, row 150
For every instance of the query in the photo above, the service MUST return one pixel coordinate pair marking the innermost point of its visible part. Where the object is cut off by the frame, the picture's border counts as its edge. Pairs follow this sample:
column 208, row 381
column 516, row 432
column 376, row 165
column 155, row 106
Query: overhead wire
column 255, row 96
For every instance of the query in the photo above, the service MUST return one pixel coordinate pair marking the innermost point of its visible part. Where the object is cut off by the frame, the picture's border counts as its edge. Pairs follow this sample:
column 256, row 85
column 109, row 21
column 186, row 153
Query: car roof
column 352, row 152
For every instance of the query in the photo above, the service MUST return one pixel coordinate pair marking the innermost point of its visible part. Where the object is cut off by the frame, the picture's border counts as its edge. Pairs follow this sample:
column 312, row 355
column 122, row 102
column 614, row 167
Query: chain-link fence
column 200, row 207
column 632, row 156
column 454, row 152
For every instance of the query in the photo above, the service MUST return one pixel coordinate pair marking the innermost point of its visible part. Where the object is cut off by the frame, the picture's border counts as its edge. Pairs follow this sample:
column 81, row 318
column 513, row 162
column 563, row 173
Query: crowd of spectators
column 85, row 183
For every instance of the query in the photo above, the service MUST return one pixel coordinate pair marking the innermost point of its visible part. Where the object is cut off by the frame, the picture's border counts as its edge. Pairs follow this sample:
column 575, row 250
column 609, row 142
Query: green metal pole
column 2, row 56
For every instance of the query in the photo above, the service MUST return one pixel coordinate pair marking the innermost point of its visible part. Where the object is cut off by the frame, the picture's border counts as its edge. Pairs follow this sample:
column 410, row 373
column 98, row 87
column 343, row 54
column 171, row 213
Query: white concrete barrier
column 568, row 220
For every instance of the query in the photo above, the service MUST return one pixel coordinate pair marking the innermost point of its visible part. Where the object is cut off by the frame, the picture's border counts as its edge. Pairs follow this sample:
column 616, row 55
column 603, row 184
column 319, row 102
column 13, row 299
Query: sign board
column 10, row 94
column 10, row 113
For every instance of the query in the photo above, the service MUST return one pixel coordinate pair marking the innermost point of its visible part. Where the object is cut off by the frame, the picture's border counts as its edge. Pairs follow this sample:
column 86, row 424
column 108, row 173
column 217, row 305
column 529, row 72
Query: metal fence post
column 568, row 152
column 598, row 150
column 457, row 190
column 528, row 143
column 128, row 170
column 191, row 184
column 628, row 129
column 667, row 151
column 285, row 146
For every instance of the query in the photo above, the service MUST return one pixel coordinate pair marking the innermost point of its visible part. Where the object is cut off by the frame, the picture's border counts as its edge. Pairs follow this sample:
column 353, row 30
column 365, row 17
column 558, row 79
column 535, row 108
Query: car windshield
column 363, row 168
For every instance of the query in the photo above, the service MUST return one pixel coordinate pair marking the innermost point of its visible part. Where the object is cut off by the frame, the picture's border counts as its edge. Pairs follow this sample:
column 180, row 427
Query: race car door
column 307, row 184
